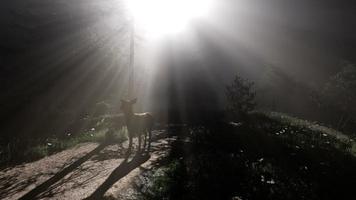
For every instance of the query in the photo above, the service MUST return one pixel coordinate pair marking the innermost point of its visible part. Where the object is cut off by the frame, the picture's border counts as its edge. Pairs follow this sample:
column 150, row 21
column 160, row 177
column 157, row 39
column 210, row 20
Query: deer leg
column 130, row 145
column 149, row 139
column 145, row 139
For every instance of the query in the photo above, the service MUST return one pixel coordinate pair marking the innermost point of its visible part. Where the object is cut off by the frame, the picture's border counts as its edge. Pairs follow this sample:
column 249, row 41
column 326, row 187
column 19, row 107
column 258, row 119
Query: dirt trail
column 87, row 170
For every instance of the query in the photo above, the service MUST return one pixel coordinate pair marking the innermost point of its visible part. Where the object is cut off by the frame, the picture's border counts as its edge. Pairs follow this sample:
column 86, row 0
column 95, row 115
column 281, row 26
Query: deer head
column 126, row 106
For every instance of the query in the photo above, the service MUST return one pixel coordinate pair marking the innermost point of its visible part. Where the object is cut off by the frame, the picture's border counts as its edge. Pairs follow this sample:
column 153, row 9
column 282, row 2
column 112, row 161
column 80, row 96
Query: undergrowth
column 260, row 158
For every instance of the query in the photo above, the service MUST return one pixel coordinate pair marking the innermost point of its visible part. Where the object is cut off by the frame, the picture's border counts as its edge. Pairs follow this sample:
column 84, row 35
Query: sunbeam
column 159, row 18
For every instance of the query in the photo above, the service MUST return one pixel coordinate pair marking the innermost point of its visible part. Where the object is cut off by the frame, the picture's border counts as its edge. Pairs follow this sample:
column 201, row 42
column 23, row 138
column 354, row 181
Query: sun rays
column 159, row 18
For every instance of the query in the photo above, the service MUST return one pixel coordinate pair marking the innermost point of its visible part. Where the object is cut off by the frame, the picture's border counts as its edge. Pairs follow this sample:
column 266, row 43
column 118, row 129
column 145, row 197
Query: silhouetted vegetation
column 265, row 158
column 337, row 99
column 241, row 97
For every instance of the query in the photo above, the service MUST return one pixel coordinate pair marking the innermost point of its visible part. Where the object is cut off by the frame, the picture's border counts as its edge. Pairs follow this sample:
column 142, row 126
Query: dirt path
column 87, row 170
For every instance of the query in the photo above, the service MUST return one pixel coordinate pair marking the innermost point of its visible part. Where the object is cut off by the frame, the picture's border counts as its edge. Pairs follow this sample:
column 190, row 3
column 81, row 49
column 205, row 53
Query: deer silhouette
column 138, row 124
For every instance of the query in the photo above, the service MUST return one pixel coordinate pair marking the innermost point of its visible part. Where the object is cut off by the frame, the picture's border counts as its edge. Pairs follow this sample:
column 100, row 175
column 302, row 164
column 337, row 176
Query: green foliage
column 167, row 183
column 240, row 96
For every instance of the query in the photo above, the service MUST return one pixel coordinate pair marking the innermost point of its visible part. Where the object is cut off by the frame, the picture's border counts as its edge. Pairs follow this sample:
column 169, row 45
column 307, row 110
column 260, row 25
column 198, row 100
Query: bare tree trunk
column 132, row 60
column 338, row 125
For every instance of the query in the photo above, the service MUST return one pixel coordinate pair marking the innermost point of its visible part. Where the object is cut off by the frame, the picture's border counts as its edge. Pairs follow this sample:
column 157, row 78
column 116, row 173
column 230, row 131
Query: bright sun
column 161, row 17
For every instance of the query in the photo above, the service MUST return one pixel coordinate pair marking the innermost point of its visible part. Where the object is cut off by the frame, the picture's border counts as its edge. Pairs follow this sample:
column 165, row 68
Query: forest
column 232, row 100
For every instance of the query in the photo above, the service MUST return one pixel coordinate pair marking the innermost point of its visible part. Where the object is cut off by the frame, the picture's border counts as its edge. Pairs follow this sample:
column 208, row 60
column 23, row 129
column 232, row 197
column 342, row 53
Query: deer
column 138, row 124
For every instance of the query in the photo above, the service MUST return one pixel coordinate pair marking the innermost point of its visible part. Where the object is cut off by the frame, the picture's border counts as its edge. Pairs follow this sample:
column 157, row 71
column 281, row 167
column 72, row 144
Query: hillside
column 271, row 156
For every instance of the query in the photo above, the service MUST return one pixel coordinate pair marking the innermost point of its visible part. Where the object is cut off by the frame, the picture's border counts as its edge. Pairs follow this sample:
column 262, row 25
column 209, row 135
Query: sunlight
column 161, row 17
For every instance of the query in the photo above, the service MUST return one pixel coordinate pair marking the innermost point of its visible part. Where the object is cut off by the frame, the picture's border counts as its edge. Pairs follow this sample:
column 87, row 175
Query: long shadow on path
column 33, row 194
column 122, row 170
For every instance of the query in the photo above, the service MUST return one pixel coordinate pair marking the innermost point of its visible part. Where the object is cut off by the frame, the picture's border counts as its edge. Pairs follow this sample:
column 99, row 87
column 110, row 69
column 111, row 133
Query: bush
column 337, row 98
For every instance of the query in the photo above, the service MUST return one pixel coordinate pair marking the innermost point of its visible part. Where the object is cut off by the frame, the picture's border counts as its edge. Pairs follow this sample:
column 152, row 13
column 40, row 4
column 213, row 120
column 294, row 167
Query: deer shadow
column 124, row 168
column 100, row 153
column 121, row 171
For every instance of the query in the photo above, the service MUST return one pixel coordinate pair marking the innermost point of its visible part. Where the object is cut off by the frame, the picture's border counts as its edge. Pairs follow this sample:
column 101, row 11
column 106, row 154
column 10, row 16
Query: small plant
column 167, row 183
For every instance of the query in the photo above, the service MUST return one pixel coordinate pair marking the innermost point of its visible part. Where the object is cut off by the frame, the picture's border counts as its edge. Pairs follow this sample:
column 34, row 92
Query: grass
column 319, row 131
column 165, row 182
column 265, row 157
column 104, row 128
column 54, row 145
column 20, row 150
column 315, row 126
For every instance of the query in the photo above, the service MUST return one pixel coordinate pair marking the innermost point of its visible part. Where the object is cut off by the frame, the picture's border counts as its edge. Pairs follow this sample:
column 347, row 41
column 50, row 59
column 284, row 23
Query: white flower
column 271, row 182
column 262, row 178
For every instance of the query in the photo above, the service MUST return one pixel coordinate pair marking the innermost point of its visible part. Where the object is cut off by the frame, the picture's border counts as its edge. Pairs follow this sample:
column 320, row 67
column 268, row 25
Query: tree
column 338, row 97
column 241, row 97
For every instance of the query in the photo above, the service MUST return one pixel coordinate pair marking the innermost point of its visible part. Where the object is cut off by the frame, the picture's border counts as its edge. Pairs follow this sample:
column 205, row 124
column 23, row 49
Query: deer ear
column 133, row 101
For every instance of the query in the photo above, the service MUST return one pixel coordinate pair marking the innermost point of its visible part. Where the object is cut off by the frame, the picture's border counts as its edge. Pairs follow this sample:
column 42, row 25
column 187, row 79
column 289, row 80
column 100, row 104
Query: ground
column 269, row 156
column 82, row 171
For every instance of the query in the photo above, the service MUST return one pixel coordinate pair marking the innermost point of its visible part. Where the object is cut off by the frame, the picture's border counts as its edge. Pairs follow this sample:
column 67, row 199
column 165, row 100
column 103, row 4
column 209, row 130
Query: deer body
column 138, row 124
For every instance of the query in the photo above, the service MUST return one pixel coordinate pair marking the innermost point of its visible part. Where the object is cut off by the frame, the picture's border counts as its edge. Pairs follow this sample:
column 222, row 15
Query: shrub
column 241, row 97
